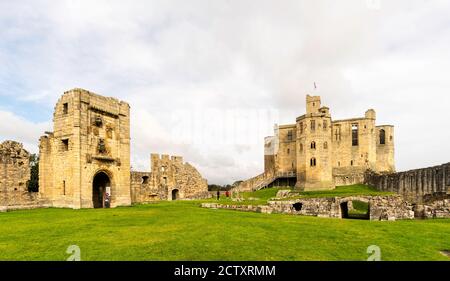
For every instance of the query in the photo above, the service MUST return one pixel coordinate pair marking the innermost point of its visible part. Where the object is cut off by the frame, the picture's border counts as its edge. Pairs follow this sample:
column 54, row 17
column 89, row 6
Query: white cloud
column 219, row 56
column 13, row 127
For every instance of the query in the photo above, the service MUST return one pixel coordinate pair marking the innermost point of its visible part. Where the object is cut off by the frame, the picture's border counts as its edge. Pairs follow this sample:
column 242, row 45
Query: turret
column 312, row 104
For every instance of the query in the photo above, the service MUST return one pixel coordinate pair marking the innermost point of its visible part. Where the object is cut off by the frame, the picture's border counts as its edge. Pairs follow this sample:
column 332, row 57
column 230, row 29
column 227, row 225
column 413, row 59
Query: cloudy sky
column 208, row 79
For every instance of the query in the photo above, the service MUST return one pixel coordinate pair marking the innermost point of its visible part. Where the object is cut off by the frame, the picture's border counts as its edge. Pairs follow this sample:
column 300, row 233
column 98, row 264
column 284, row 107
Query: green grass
column 359, row 207
column 183, row 231
column 258, row 197
column 343, row 191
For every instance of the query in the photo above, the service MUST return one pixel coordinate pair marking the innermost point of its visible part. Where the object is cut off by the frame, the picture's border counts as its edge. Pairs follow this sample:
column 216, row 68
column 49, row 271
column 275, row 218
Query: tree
column 33, row 183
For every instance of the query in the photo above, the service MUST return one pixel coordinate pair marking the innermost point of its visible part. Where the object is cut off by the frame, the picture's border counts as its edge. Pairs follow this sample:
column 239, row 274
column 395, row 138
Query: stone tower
column 314, row 151
column 88, row 153
column 385, row 149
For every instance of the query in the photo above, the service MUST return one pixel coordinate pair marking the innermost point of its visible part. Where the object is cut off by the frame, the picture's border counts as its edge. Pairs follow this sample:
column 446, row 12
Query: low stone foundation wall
column 20, row 200
column 437, row 206
column 380, row 207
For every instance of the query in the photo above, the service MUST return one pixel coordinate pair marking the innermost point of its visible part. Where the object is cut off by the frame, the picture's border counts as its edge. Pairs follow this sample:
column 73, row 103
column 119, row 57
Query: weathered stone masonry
column 321, row 153
column 14, row 176
column 380, row 207
column 170, row 179
column 427, row 188
column 413, row 184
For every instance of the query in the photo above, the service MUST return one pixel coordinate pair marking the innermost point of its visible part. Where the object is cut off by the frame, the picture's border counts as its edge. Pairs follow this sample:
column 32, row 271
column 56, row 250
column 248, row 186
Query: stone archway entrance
column 356, row 208
column 100, row 182
column 175, row 194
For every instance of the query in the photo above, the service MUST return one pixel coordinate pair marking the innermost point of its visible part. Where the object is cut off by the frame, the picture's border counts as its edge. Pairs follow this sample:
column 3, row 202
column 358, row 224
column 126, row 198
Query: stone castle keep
column 317, row 152
column 85, row 161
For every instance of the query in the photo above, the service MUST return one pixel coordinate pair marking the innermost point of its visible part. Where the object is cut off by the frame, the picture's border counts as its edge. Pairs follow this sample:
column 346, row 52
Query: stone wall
column 433, row 206
column 144, row 188
column 170, row 179
column 413, row 184
column 348, row 175
column 380, row 207
column 14, row 176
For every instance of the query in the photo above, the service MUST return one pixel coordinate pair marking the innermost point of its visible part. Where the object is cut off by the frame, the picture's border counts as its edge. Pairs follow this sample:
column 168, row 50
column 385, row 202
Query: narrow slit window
column 382, row 137
column 354, row 134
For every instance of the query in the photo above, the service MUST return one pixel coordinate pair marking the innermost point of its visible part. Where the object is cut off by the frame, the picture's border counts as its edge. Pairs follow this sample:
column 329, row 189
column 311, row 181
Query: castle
column 317, row 152
column 85, row 161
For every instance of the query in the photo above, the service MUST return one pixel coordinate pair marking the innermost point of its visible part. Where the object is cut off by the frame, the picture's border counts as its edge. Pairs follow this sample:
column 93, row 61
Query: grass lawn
column 342, row 191
column 183, row 231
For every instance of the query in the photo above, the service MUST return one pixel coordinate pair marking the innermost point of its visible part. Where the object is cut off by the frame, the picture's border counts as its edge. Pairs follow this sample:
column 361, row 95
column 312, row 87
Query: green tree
column 33, row 183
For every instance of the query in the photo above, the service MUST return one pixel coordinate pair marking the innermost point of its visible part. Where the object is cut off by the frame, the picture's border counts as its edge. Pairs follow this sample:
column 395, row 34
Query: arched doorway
column 99, row 184
column 175, row 194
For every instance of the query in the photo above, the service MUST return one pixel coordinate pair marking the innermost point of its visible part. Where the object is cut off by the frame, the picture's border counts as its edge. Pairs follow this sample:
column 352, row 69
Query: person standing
column 218, row 194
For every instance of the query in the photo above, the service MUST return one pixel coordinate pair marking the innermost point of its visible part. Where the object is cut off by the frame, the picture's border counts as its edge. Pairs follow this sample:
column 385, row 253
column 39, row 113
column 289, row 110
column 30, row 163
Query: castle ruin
column 85, row 162
column 170, row 179
column 317, row 152
column 14, row 176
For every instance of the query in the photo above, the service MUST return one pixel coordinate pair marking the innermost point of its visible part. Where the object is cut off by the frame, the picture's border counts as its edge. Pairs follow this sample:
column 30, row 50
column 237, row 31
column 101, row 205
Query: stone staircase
column 262, row 181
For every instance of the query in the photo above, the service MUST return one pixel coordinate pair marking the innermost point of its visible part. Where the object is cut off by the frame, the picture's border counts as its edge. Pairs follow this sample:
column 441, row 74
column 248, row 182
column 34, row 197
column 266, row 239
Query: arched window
column 313, row 145
column 351, row 163
column 312, row 162
column 145, row 180
column 382, row 136
column 325, row 145
column 301, row 147
column 288, row 150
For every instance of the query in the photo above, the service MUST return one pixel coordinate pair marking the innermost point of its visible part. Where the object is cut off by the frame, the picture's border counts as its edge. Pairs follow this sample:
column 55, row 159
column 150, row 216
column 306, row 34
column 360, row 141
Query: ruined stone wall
column 380, row 207
column 14, row 177
column 413, row 184
column 170, row 179
column 145, row 189
column 434, row 206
